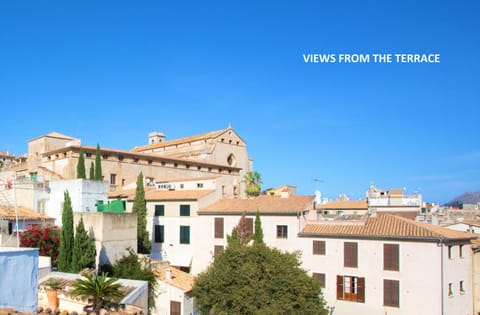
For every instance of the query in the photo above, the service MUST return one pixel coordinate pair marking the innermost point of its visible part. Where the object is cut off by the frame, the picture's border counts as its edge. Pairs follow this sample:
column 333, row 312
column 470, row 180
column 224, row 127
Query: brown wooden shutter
column 391, row 257
column 339, row 287
column 391, row 293
column 361, row 290
column 218, row 227
column 319, row 247
column 321, row 279
column 175, row 308
column 350, row 253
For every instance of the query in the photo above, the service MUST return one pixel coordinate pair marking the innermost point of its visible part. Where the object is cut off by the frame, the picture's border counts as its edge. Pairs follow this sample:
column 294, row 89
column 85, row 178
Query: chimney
column 168, row 274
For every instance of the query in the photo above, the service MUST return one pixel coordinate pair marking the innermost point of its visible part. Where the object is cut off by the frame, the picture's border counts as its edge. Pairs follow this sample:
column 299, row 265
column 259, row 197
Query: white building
column 174, row 292
column 390, row 265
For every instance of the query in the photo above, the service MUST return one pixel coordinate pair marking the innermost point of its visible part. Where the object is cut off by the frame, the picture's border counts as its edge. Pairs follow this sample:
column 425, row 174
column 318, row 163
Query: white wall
column 167, row 293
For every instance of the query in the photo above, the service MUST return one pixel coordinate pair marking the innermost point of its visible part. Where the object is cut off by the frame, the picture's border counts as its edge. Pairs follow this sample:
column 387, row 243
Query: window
column 105, row 156
column 218, row 227
column 120, row 158
column 449, row 252
column 462, row 287
column 321, row 278
column 282, row 231
column 199, row 185
column 184, row 210
column 249, row 225
column 450, row 289
column 184, row 234
column 460, row 251
column 319, row 247
column 217, row 249
column 175, row 308
column 159, row 210
column 88, row 154
column 350, row 254
column 390, row 257
column 113, row 179
column 351, row 289
column 391, row 291
column 159, row 233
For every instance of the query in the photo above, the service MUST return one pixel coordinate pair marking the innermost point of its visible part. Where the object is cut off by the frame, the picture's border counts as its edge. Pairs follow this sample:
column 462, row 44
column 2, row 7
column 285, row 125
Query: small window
column 135, row 160
column 218, row 228
column 181, row 186
column 105, row 156
column 449, row 252
column 282, row 231
column 150, row 162
column 391, row 257
column 184, row 234
column 450, row 289
column 159, row 234
column 113, row 179
column 321, row 278
column 184, row 210
column 461, row 285
column 88, row 154
column 460, row 251
column 120, row 158
column 391, row 296
column 351, row 289
column 350, row 258
column 319, row 247
column 159, row 210
column 199, row 185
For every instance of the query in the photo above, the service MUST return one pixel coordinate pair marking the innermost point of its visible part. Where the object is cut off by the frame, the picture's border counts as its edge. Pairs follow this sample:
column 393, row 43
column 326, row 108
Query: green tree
column 140, row 208
column 257, row 280
column 258, row 236
column 81, row 165
column 98, row 164
column 132, row 267
column 92, row 171
column 66, row 235
column 84, row 252
column 99, row 289
column 253, row 182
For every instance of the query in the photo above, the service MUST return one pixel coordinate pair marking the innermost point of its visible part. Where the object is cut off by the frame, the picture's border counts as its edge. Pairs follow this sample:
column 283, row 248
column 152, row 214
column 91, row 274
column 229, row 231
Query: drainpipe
column 442, row 277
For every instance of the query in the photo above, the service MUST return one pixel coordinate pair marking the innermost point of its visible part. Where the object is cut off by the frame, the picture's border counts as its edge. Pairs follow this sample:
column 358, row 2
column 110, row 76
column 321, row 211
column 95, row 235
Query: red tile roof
column 264, row 203
column 180, row 279
column 23, row 214
column 383, row 225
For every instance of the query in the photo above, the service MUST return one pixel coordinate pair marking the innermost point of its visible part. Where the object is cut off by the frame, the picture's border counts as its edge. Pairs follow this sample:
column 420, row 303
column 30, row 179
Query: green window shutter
column 184, row 234
column 159, row 210
column 184, row 210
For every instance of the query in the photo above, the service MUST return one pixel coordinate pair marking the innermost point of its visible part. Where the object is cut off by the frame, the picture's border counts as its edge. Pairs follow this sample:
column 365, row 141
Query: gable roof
column 180, row 279
column 265, row 204
column 345, row 204
column 54, row 134
column 199, row 137
column 8, row 213
column 384, row 225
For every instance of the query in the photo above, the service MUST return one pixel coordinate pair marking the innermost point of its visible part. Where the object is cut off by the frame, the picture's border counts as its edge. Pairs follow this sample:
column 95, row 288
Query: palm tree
column 253, row 181
column 99, row 289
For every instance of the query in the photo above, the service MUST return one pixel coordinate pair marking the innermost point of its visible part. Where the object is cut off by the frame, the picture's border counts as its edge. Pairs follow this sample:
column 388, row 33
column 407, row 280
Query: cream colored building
column 393, row 200
column 174, row 292
column 390, row 265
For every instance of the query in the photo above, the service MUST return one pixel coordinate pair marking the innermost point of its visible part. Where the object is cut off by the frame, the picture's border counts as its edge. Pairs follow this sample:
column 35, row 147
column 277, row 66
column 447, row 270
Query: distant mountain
column 466, row 198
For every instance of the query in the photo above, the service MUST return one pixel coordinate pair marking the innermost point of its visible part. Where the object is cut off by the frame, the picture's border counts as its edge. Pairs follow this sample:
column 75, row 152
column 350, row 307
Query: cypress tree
column 81, row 165
column 140, row 208
column 92, row 171
column 84, row 252
column 98, row 164
column 66, row 235
column 258, row 236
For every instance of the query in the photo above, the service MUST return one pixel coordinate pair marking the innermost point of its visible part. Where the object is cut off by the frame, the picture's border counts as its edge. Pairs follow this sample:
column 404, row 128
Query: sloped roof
column 176, row 194
column 127, row 193
column 180, row 279
column 199, row 137
column 384, row 225
column 8, row 213
column 55, row 134
column 345, row 204
column 264, row 203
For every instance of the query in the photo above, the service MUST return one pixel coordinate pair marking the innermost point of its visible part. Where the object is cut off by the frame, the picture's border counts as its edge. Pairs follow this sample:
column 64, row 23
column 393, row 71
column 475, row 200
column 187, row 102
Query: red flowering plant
column 46, row 239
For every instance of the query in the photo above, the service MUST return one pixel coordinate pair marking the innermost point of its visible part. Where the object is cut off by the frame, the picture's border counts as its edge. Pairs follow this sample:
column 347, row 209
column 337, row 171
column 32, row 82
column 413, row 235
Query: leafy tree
column 132, row 267
column 99, row 289
column 46, row 239
column 98, row 164
column 84, row 251
column 66, row 235
column 253, row 182
column 257, row 280
column 92, row 171
column 81, row 165
column 140, row 208
column 243, row 233
column 258, row 236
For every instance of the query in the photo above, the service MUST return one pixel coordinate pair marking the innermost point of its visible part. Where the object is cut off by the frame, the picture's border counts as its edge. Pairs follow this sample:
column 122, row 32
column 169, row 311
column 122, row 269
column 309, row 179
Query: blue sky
column 112, row 71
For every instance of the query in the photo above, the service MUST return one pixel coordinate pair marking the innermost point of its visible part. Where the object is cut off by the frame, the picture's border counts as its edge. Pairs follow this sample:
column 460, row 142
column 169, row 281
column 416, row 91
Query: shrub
column 46, row 239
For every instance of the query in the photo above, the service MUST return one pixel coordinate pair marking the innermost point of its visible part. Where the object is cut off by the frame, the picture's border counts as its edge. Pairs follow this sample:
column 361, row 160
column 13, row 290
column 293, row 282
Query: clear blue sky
column 112, row 71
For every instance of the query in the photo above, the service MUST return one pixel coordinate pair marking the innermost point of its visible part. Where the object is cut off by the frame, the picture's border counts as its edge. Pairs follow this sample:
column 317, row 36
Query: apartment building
column 387, row 264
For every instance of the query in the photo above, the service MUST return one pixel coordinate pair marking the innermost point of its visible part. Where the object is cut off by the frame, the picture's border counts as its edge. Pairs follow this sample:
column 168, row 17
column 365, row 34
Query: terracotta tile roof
column 8, row 213
column 385, row 226
column 180, row 279
column 203, row 136
column 127, row 193
column 176, row 194
column 55, row 134
column 264, row 203
column 345, row 205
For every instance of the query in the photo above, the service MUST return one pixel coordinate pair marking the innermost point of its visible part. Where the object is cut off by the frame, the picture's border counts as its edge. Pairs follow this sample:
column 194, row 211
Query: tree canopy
column 84, row 252
column 253, row 182
column 257, row 279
